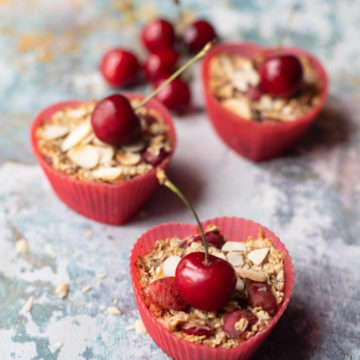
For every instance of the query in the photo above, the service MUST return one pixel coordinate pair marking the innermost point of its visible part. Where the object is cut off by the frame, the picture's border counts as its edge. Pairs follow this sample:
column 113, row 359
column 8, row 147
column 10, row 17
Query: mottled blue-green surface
column 49, row 51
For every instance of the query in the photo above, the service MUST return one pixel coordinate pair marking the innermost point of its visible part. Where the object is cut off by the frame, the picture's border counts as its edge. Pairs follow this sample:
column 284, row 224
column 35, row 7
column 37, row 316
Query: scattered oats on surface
column 140, row 327
column 22, row 246
column 112, row 310
column 87, row 234
column 28, row 305
column 86, row 288
column 62, row 290
column 115, row 301
column 59, row 345
column 101, row 275
column 130, row 327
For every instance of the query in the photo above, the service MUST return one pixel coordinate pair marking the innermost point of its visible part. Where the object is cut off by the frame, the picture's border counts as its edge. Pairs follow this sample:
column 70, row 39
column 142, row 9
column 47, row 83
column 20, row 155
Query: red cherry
column 164, row 294
column 198, row 330
column 230, row 319
column 198, row 34
column 281, row 75
column 114, row 121
column 158, row 35
column 213, row 237
column 119, row 67
column 254, row 93
column 175, row 96
column 160, row 64
column 205, row 286
column 260, row 295
column 153, row 159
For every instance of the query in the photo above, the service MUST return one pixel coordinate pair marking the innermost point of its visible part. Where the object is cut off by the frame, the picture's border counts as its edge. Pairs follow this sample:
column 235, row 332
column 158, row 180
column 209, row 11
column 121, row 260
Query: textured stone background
column 49, row 51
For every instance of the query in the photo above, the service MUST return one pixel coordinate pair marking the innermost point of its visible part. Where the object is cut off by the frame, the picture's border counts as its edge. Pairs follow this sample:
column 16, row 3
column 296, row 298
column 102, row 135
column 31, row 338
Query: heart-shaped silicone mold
column 258, row 141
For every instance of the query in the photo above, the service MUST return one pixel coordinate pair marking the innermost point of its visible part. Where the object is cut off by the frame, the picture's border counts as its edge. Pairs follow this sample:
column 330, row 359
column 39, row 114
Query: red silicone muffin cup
column 253, row 140
column 107, row 203
column 234, row 229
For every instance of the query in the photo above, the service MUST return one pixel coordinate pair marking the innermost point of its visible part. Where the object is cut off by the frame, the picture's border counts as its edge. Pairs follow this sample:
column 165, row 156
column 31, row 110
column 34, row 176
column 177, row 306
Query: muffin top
column 259, row 269
column 235, row 82
column 68, row 144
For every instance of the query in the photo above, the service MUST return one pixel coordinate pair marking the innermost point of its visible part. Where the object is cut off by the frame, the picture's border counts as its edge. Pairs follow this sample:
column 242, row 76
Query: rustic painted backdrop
column 49, row 51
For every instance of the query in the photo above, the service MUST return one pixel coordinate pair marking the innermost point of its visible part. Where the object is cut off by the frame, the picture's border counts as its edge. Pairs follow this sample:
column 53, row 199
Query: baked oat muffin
column 259, row 288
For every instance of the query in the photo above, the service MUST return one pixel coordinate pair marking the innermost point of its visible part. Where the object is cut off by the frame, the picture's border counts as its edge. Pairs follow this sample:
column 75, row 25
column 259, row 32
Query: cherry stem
column 198, row 56
column 163, row 180
column 286, row 28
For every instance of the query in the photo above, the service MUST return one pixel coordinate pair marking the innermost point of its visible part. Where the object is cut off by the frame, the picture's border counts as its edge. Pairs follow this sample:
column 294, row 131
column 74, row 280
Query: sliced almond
column 140, row 327
column 88, row 139
column 235, row 258
column 55, row 131
column 113, row 310
column 28, row 305
column 158, row 275
column 22, row 246
column 86, row 156
column 77, row 113
column 239, row 284
column 134, row 148
column 239, row 106
column 258, row 256
column 97, row 141
column 170, row 265
column 62, row 290
column 221, row 256
column 75, row 137
column 106, row 154
column 233, row 246
column 252, row 275
column 110, row 173
column 128, row 158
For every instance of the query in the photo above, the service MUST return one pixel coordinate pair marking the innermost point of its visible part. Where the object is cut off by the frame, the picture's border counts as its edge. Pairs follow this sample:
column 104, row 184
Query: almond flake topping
column 110, row 173
column 235, row 258
column 77, row 135
column 170, row 265
column 113, row 310
column 252, row 275
column 258, row 256
column 159, row 275
column 55, row 132
column 105, row 153
column 239, row 284
column 134, row 148
column 128, row 158
column 234, row 246
column 86, row 157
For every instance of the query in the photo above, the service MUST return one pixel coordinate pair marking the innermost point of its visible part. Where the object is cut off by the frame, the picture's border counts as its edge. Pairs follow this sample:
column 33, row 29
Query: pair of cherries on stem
column 114, row 120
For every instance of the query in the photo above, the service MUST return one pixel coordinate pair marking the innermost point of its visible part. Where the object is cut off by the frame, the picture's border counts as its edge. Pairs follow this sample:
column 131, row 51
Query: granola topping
column 234, row 81
column 69, row 145
column 260, row 262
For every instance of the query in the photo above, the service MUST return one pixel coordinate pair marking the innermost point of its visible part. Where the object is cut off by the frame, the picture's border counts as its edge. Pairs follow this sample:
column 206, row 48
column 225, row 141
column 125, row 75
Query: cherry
column 164, row 294
column 254, row 92
column 203, row 281
column 198, row 34
column 205, row 285
column 213, row 237
column 160, row 64
column 198, row 330
column 158, row 35
column 175, row 96
column 150, row 158
column 119, row 67
column 281, row 75
column 260, row 295
column 114, row 121
column 230, row 319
